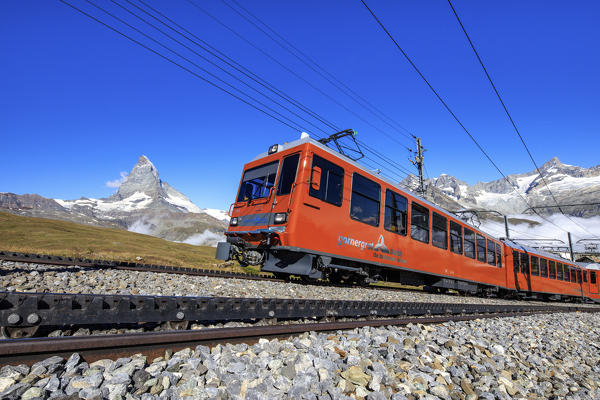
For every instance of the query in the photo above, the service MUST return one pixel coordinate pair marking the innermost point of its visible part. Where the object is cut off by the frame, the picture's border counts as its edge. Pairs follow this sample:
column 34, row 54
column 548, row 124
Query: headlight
column 233, row 221
column 280, row 218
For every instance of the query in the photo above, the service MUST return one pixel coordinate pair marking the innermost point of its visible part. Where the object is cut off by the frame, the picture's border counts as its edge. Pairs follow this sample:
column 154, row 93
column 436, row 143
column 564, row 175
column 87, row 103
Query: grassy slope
column 48, row 236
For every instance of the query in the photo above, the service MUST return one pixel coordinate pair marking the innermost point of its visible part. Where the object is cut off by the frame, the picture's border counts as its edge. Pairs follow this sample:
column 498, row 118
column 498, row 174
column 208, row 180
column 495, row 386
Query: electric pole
column 418, row 161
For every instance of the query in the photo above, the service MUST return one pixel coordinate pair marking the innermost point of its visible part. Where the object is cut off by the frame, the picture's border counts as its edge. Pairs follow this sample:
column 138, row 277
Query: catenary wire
column 237, row 66
column 178, row 64
column 205, row 59
column 323, row 93
column 512, row 121
column 452, row 112
column 314, row 66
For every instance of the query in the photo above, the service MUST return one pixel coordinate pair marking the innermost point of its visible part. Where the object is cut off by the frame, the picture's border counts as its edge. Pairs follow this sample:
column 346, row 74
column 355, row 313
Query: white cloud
column 206, row 238
column 141, row 226
column 117, row 182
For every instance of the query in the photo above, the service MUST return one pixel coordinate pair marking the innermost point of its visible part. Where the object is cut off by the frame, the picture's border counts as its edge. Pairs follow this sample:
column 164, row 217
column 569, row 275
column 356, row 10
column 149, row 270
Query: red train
column 303, row 209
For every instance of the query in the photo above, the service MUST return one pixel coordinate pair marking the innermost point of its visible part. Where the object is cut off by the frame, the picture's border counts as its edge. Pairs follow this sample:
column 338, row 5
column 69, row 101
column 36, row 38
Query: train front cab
column 260, row 216
column 593, row 285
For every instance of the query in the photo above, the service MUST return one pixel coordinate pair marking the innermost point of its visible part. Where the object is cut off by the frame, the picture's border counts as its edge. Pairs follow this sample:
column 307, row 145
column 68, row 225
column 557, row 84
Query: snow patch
column 183, row 203
column 218, row 214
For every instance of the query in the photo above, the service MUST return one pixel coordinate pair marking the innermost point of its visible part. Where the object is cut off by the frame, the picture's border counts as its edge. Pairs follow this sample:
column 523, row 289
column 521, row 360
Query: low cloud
column 141, row 226
column 117, row 182
column 206, row 238
column 552, row 227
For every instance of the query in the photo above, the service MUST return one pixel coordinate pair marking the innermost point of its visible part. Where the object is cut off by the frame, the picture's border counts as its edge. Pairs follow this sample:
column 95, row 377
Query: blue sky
column 79, row 103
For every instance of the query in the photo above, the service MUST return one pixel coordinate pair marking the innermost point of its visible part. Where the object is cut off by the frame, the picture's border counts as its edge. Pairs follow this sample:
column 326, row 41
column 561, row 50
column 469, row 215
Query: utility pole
column 571, row 246
column 506, row 227
column 418, row 161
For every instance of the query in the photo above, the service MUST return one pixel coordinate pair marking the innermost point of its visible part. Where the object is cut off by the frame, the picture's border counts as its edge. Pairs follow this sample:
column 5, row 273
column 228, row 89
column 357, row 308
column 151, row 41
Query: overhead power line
column 512, row 121
column 452, row 112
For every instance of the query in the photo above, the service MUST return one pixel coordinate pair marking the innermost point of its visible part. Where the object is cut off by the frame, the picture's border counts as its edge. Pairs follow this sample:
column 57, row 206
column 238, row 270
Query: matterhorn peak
column 143, row 178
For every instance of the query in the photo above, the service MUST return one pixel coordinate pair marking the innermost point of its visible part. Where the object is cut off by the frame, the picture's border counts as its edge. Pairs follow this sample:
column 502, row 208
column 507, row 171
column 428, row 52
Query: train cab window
column 525, row 263
column 544, row 272
column 287, row 176
column 553, row 270
column 498, row 256
column 439, row 236
column 559, row 272
column 419, row 223
column 364, row 203
column 535, row 266
column 593, row 277
column 469, row 243
column 481, row 248
column 491, row 252
column 326, row 181
column 456, row 237
column 257, row 182
column 396, row 208
column 515, row 261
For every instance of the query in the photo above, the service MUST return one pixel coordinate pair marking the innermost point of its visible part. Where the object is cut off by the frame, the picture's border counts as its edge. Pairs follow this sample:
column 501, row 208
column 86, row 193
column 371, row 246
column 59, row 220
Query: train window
column 535, row 266
column 573, row 278
column 480, row 248
column 584, row 273
column 498, row 255
column 364, row 203
column 439, row 235
column 257, row 182
column 525, row 263
column 553, row 270
column 515, row 261
column 593, row 277
column 396, row 208
column 326, row 181
column 288, row 174
column 578, row 275
column 491, row 252
column 455, row 237
column 559, row 272
column 544, row 272
column 566, row 273
column 469, row 243
column 419, row 223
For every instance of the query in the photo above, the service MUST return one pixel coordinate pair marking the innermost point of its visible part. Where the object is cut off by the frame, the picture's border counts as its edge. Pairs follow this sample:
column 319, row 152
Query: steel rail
column 154, row 344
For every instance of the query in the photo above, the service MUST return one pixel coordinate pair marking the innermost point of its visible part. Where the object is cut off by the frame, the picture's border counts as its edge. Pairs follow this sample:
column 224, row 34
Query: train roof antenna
column 352, row 150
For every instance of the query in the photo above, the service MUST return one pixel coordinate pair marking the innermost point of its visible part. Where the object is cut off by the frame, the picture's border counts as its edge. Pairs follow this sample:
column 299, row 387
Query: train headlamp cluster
column 233, row 221
column 273, row 149
column 280, row 218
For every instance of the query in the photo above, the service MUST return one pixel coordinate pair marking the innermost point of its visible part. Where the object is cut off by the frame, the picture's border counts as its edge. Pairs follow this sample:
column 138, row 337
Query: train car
column 545, row 275
column 304, row 209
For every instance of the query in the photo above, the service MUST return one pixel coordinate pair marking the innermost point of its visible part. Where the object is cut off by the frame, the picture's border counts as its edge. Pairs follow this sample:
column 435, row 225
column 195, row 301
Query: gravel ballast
column 534, row 357
column 24, row 277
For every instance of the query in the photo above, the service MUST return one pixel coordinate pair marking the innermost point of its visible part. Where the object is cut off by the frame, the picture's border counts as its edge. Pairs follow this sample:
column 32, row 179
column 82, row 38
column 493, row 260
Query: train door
column 521, row 271
column 284, row 190
column 593, row 282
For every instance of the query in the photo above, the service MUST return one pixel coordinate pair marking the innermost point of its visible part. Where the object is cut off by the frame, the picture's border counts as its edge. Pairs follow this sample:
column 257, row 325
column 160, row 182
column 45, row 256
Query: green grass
column 53, row 237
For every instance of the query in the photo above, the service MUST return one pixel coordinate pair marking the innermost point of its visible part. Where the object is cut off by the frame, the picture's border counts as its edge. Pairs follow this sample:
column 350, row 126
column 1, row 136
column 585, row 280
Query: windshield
column 258, row 181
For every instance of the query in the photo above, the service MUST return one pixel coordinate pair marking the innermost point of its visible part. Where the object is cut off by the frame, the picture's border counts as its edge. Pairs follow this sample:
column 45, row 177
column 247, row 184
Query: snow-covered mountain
column 569, row 184
column 143, row 203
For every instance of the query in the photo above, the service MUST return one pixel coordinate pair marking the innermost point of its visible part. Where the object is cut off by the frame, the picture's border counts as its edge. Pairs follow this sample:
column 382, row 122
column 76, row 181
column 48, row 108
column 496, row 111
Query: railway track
column 154, row 344
column 33, row 258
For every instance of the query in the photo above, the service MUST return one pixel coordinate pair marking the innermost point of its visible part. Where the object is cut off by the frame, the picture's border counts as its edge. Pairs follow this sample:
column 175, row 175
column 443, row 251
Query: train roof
column 305, row 138
column 535, row 251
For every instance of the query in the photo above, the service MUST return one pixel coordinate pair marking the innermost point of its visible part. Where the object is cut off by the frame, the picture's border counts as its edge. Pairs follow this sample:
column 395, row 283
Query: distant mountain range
column 143, row 203
column 569, row 184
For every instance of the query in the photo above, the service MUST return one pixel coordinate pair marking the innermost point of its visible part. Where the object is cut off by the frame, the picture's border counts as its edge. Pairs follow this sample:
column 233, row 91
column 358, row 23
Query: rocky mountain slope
column 570, row 185
column 143, row 203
